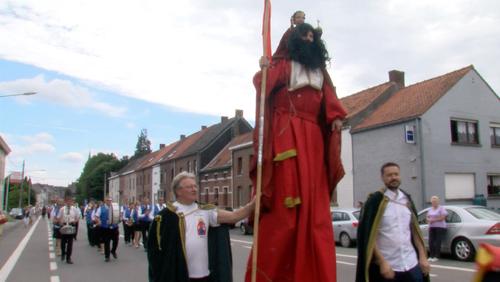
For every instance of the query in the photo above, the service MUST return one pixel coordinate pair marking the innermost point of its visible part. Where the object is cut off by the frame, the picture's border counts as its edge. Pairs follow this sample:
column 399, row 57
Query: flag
column 266, row 29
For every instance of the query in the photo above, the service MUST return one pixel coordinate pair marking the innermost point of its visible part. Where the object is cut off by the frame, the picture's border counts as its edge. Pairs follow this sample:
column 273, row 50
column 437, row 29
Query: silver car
column 467, row 227
column 345, row 226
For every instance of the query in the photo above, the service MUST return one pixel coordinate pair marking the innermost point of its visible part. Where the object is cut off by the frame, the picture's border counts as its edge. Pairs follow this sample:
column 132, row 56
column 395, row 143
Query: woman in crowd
column 436, row 218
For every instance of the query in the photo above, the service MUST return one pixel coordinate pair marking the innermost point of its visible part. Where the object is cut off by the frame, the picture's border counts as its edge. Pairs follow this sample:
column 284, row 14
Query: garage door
column 459, row 185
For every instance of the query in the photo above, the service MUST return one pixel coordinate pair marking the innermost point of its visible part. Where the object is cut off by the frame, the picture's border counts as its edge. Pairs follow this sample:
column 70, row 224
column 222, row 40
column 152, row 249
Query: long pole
column 7, row 194
column 258, row 187
column 21, row 190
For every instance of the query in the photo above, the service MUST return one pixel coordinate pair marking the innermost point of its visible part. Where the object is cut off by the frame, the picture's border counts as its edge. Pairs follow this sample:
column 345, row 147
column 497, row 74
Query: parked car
column 16, row 213
column 345, row 226
column 467, row 227
column 244, row 227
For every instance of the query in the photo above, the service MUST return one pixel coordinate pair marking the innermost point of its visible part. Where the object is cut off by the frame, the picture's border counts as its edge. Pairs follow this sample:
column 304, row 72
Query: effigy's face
column 299, row 18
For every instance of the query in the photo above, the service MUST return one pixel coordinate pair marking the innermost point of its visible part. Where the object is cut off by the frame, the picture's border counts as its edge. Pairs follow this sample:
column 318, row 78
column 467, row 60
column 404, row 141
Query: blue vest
column 88, row 216
column 104, row 218
column 145, row 218
column 135, row 215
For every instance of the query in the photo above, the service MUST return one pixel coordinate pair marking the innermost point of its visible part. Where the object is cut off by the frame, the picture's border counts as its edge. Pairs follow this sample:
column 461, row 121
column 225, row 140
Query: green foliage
column 143, row 146
column 91, row 181
column 14, row 196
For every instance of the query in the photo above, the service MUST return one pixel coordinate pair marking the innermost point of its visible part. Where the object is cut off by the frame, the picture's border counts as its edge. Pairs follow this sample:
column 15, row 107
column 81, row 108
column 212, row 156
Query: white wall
column 345, row 190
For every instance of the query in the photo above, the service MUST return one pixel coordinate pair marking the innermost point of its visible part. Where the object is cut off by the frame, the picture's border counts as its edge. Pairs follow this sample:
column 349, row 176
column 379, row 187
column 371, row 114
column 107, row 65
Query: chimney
column 238, row 113
column 398, row 77
column 203, row 127
column 223, row 119
column 162, row 146
column 183, row 136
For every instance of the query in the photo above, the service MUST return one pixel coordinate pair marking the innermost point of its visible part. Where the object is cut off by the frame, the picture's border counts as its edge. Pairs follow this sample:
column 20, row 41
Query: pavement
column 27, row 254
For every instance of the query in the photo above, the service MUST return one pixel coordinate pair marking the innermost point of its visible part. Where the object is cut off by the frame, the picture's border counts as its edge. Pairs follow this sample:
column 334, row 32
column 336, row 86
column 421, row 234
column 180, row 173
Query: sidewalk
column 10, row 225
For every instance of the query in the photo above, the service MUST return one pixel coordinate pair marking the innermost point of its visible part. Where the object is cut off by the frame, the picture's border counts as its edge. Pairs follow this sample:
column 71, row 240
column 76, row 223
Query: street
column 27, row 254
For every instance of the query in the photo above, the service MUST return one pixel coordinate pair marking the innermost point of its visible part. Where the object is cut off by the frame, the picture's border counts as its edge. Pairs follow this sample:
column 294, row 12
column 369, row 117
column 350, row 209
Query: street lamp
column 19, row 94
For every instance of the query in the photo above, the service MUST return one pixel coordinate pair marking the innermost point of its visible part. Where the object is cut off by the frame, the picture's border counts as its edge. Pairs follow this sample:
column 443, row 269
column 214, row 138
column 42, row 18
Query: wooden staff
column 258, row 192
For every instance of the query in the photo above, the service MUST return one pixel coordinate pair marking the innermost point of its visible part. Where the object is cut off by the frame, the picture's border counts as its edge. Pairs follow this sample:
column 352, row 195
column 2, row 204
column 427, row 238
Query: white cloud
column 200, row 55
column 73, row 157
column 59, row 91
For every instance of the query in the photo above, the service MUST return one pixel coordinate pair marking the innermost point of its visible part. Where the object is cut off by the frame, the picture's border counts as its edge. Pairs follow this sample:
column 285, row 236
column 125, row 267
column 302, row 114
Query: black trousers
column 109, row 235
column 436, row 235
column 145, row 232
column 67, row 245
column 128, row 232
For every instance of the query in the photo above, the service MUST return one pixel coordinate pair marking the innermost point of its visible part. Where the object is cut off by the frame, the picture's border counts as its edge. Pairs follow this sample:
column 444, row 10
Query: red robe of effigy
column 301, row 166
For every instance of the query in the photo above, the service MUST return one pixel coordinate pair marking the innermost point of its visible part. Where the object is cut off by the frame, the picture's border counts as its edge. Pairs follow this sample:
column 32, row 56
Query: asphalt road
column 37, row 261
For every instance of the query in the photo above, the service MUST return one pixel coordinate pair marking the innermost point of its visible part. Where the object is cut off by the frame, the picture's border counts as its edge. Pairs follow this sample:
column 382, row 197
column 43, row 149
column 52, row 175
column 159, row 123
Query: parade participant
column 68, row 217
column 301, row 163
column 26, row 216
column 187, row 243
column 97, row 231
column 90, row 223
column 159, row 206
column 108, row 228
column 128, row 229
column 145, row 219
column 80, row 216
column 136, row 226
column 282, row 51
column 390, row 244
column 44, row 211
column 436, row 218
column 59, row 203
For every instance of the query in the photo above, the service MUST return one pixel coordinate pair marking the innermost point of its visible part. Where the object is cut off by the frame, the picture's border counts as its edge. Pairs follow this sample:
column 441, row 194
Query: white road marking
column 53, row 266
column 51, row 243
column 52, row 255
column 54, row 279
column 241, row 241
column 51, row 248
column 14, row 257
column 344, row 262
column 353, row 256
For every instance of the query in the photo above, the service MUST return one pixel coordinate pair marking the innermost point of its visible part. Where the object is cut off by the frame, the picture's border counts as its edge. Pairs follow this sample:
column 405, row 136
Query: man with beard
column 301, row 164
column 390, row 244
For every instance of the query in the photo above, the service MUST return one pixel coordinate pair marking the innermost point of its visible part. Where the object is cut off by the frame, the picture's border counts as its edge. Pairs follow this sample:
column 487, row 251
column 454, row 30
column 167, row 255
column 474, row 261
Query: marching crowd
column 102, row 219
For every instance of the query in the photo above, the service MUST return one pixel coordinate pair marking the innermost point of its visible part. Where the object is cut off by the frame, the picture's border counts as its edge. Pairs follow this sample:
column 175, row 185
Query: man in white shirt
column 178, row 250
column 68, row 217
column 390, row 245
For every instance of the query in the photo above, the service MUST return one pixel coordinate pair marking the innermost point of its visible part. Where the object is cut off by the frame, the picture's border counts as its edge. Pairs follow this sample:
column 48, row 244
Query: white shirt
column 197, row 223
column 69, row 215
column 300, row 77
column 394, row 236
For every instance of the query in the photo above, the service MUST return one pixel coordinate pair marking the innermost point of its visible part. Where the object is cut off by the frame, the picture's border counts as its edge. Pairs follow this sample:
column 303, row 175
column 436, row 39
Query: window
column 493, row 185
column 172, row 174
column 189, row 166
column 495, row 134
column 464, row 132
column 215, row 176
column 239, row 166
column 452, row 217
column 240, row 196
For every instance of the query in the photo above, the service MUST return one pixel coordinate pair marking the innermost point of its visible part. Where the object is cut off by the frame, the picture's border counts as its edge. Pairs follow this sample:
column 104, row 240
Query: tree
column 97, row 168
column 14, row 195
column 143, row 146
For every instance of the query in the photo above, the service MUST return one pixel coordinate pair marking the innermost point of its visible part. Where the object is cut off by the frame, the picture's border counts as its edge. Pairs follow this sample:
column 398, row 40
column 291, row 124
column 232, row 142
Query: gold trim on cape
column 285, row 155
column 291, row 202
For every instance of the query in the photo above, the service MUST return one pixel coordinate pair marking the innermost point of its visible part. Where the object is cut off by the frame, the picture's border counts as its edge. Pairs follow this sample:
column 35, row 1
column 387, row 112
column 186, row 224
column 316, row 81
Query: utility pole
column 7, row 194
column 21, row 190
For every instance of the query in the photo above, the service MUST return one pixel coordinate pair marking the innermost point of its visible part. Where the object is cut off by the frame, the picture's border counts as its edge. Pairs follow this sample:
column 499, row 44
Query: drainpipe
column 421, row 149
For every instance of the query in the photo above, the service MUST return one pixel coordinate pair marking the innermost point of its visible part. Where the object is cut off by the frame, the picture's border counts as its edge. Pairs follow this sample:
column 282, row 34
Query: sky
column 103, row 70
